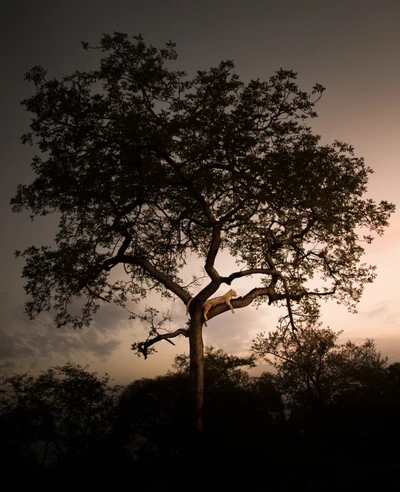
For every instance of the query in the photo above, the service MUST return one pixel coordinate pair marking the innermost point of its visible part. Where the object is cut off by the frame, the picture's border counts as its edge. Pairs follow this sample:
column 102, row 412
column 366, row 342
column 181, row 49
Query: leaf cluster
column 313, row 369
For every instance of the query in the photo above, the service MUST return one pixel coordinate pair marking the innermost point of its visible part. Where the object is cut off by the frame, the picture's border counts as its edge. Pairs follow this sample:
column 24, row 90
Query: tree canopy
column 62, row 413
column 145, row 166
column 312, row 368
column 221, row 369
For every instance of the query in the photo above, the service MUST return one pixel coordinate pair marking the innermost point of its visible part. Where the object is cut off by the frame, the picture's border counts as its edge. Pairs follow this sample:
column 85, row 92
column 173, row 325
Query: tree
column 145, row 166
column 62, row 413
column 152, row 417
column 220, row 368
column 312, row 369
column 148, row 406
column 336, row 394
column 243, row 414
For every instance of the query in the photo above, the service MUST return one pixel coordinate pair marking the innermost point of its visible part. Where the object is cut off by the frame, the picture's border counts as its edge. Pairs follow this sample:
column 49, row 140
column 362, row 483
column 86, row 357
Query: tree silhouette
column 243, row 415
column 312, row 368
column 220, row 368
column 145, row 166
column 61, row 414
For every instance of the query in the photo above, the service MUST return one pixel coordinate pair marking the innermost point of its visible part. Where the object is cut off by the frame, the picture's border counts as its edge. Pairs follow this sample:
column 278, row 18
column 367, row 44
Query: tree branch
column 241, row 302
column 212, row 254
column 156, row 274
column 189, row 186
column 244, row 273
column 143, row 347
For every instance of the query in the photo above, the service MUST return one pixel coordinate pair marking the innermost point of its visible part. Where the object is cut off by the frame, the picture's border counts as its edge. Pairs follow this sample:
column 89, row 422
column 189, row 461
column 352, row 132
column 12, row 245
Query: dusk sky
column 350, row 47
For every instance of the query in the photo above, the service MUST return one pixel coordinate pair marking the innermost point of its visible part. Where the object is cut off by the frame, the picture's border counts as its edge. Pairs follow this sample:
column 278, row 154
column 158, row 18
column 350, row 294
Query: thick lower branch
column 241, row 302
column 244, row 301
column 212, row 254
column 215, row 283
column 156, row 274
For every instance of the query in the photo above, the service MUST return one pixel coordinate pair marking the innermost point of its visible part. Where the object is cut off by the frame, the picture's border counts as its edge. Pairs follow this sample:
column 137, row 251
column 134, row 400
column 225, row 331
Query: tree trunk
column 197, row 369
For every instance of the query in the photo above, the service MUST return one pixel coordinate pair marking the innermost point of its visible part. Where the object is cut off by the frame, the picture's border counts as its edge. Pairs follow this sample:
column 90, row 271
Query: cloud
column 385, row 312
column 26, row 344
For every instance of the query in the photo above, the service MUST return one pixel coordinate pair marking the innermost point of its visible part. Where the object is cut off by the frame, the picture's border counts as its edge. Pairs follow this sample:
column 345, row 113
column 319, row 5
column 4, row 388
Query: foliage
column 393, row 374
column 147, row 168
column 220, row 368
column 62, row 413
column 153, row 416
column 145, row 165
column 153, row 413
column 312, row 368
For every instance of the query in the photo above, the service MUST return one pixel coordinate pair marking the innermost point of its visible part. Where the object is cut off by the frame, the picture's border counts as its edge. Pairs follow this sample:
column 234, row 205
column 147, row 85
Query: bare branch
column 244, row 273
column 143, row 347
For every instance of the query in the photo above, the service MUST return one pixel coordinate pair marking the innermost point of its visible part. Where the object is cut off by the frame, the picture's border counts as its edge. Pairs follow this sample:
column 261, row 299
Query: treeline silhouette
column 326, row 417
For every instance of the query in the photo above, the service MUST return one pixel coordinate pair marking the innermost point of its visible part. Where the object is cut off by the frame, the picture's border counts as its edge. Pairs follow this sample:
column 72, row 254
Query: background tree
column 153, row 418
column 144, row 166
column 63, row 413
column 152, row 413
column 243, row 416
column 340, row 398
column 312, row 368
column 220, row 368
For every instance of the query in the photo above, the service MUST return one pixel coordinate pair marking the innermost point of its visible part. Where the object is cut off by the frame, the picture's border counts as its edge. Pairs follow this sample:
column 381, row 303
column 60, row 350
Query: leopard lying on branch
column 225, row 299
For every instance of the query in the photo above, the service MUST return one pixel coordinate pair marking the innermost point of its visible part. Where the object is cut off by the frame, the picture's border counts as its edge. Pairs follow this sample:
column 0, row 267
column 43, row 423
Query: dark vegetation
column 326, row 417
